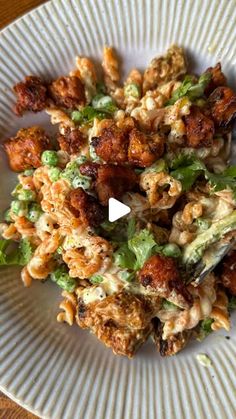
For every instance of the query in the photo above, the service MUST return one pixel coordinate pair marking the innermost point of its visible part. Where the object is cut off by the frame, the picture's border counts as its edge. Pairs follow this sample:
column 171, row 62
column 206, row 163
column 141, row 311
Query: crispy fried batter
column 85, row 207
column 121, row 321
column 228, row 274
column 24, row 150
column 67, row 92
column 199, row 129
column 71, row 141
column 113, row 181
column 223, row 106
column 173, row 344
column 165, row 68
column 112, row 145
column 144, row 149
column 31, row 95
column 161, row 274
column 89, row 169
column 217, row 78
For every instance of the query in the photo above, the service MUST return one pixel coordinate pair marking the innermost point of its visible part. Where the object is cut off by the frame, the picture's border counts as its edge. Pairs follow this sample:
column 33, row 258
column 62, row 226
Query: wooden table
column 10, row 10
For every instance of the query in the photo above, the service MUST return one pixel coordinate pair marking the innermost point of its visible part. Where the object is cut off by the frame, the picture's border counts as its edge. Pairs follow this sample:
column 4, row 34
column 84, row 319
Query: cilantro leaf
column 188, row 168
column 190, row 88
column 142, row 245
column 188, row 174
column 124, row 257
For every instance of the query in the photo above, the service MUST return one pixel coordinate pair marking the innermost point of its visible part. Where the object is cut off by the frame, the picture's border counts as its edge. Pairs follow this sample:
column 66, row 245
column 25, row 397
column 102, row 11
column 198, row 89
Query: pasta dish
column 160, row 142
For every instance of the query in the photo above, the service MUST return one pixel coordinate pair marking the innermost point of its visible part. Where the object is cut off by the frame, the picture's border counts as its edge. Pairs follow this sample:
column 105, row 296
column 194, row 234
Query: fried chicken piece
column 112, row 145
column 113, row 181
column 228, row 274
column 24, row 151
column 173, row 344
column 165, row 68
column 85, row 207
column 121, row 321
column 160, row 273
column 199, row 129
column 144, row 149
column 71, row 141
column 89, row 169
column 31, row 95
column 217, row 78
column 223, row 106
column 68, row 92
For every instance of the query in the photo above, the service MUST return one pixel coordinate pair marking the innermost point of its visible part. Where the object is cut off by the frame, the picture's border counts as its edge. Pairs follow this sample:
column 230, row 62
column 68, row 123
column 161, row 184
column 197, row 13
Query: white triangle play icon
column 116, row 209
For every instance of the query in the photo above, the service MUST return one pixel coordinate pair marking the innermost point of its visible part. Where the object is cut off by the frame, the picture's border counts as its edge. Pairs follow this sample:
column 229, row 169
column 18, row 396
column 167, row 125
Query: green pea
column 54, row 173
column 70, row 171
column 81, row 182
column 81, row 159
column 7, row 216
column 63, row 279
column 34, row 212
column 49, row 158
column 17, row 190
column 26, row 195
column 19, row 208
column 171, row 250
column 132, row 89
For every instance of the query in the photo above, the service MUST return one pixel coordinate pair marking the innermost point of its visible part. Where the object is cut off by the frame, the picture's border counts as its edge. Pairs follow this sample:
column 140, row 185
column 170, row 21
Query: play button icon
column 116, row 209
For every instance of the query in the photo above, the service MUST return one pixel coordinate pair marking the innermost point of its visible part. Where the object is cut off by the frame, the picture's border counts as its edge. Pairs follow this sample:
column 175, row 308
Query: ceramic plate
column 61, row 372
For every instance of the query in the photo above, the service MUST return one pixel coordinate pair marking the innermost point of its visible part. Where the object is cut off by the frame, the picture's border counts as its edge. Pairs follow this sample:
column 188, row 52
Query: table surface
column 9, row 11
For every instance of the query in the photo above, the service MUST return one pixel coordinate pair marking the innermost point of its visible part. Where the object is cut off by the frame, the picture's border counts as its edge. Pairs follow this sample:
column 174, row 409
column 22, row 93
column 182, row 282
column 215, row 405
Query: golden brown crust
column 31, row 95
column 67, row 92
column 85, row 207
column 199, row 129
column 24, row 151
column 144, row 149
column 223, row 106
column 112, row 145
column 228, row 274
column 217, row 78
column 113, row 181
column 173, row 344
column 121, row 321
column 71, row 141
column 160, row 273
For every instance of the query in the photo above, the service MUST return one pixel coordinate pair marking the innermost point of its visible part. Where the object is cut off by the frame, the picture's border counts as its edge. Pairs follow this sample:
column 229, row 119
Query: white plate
column 62, row 372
